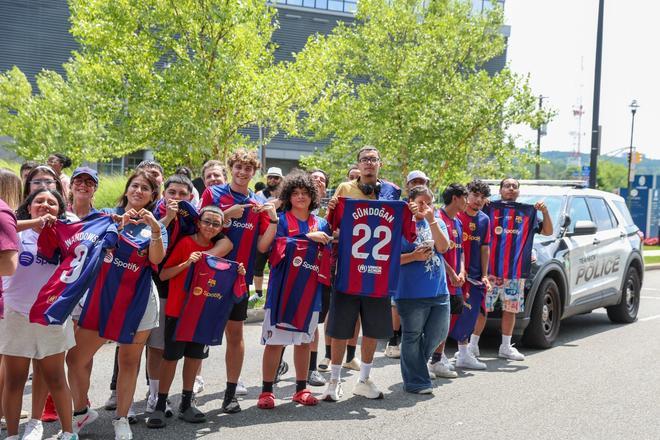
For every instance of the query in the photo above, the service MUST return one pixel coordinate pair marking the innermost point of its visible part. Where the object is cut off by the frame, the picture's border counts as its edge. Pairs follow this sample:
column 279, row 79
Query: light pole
column 595, row 126
column 540, row 131
column 633, row 110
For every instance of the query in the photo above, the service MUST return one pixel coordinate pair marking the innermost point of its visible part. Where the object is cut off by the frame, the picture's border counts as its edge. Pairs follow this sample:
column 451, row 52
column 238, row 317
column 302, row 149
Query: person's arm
column 546, row 224
column 172, row 271
column 39, row 222
column 485, row 258
column 156, row 245
column 439, row 236
column 8, row 262
column 421, row 253
column 266, row 239
column 222, row 247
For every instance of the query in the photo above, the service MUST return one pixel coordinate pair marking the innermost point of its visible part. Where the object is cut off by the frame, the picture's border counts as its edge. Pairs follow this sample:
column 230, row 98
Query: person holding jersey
column 84, row 183
column 299, row 198
column 21, row 341
column 137, row 221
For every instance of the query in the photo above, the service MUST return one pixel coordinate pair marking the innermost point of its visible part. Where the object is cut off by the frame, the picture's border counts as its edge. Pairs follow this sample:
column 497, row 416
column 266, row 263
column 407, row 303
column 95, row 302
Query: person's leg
column 235, row 350
column 436, row 326
column 129, row 365
column 190, row 368
column 16, row 372
column 2, row 384
column 39, row 391
column 77, row 358
column 301, row 361
column 414, row 315
column 115, row 370
column 351, row 345
column 52, row 372
column 154, row 359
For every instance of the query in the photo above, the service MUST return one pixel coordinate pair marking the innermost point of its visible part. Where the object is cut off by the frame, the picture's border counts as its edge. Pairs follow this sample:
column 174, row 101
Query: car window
column 623, row 209
column 615, row 221
column 600, row 213
column 554, row 204
column 578, row 211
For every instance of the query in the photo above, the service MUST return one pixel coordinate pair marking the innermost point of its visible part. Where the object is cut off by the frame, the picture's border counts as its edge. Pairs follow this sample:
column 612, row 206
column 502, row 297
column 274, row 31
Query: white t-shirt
column 21, row 289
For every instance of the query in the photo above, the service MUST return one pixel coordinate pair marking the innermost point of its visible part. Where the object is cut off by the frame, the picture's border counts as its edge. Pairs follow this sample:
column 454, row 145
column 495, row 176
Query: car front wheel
column 626, row 310
column 544, row 321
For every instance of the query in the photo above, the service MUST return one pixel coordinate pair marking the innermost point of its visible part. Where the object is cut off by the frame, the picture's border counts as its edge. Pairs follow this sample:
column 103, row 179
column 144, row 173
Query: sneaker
column 82, row 420
column 111, row 403
column 354, row 364
column 281, row 370
column 333, row 392
column 198, row 386
column 34, row 430
column 24, row 414
column 367, row 389
column 393, row 351
column 241, row 390
column 69, row 436
column 510, row 352
column 446, row 362
column 425, row 391
column 50, row 413
column 315, row 379
column 122, row 429
column 441, row 370
column 469, row 361
column 231, row 407
column 431, row 373
column 474, row 349
column 132, row 417
column 254, row 298
column 151, row 405
column 324, row 365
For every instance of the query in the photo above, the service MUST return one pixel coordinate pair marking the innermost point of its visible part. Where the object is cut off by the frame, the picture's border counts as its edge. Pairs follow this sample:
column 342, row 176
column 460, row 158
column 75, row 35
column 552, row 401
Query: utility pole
column 595, row 129
column 633, row 109
column 540, row 131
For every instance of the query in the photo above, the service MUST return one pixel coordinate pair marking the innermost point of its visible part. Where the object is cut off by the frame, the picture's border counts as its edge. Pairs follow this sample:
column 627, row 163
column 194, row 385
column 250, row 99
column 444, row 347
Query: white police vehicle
column 593, row 259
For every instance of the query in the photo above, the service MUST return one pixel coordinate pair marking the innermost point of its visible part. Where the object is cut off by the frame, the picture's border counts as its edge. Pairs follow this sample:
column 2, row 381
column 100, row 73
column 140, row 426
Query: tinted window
column 615, row 222
column 623, row 209
column 600, row 213
column 578, row 211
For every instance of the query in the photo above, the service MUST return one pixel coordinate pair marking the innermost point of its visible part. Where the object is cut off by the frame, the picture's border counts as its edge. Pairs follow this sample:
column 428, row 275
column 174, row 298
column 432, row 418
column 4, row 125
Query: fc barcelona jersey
column 369, row 251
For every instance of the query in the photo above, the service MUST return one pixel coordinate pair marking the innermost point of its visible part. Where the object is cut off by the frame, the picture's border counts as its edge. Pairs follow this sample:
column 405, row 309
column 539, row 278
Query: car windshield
column 553, row 203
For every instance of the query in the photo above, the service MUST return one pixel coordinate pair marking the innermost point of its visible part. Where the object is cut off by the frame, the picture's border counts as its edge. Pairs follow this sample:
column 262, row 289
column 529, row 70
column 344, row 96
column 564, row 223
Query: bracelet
column 159, row 238
column 274, row 222
column 434, row 222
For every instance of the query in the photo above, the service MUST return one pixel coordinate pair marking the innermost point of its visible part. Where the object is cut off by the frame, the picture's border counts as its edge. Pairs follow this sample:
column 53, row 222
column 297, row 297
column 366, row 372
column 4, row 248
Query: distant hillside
column 646, row 166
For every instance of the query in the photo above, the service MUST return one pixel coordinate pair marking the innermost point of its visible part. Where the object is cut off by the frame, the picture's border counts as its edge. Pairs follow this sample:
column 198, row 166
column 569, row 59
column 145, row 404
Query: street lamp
column 540, row 131
column 633, row 109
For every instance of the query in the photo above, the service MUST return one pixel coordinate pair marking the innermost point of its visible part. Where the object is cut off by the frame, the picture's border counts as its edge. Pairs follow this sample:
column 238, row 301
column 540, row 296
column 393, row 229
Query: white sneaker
column 122, row 429
column 393, row 351
column 446, row 362
column 469, row 361
column 354, row 364
column 324, row 365
column 333, row 392
column 82, row 420
column 431, row 373
column 241, row 390
column 367, row 389
column 474, row 349
column 151, row 405
column 132, row 416
column 510, row 352
column 68, row 436
column 198, row 386
column 34, row 430
column 425, row 391
column 441, row 370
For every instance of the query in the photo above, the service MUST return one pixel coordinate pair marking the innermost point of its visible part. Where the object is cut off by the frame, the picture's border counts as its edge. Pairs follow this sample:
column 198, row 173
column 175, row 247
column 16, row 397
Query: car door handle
column 596, row 241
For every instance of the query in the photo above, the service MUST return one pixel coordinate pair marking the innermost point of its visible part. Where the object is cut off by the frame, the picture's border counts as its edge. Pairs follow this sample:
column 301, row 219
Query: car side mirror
column 584, row 227
column 566, row 221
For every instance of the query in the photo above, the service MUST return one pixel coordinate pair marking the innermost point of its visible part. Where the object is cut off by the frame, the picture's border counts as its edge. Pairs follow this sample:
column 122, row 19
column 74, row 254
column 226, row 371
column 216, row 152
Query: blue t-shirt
column 422, row 279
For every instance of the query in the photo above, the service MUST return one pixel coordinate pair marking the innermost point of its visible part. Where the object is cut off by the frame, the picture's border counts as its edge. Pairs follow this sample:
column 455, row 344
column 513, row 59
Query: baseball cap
column 86, row 170
column 275, row 171
column 416, row 175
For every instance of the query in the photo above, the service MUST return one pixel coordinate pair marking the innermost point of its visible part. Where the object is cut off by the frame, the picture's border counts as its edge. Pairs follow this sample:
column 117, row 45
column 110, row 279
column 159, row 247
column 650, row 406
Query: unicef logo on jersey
column 297, row 261
column 26, row 259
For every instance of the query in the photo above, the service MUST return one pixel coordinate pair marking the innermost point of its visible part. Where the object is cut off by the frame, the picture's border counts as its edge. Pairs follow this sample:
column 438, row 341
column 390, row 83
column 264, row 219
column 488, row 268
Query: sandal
column 231, row 407
column 192, row 415
column 305, row 397
column 156, row 420
column 266, row 400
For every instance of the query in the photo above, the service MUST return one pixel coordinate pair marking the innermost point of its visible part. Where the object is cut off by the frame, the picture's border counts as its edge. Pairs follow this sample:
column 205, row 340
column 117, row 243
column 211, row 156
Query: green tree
column 611, row 176
column 407, row 77
column 181, row 77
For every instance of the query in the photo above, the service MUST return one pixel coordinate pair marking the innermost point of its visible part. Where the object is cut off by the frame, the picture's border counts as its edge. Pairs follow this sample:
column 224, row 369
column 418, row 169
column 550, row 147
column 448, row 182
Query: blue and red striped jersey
column 243, row 232
column 80, row 248
column 214, row 286
column 298, row 267
column 118, row 299
column 369, row 250
column 185, row 222
column 512, row 227
column 476, row 233
column 290, row 226
column 453, row 254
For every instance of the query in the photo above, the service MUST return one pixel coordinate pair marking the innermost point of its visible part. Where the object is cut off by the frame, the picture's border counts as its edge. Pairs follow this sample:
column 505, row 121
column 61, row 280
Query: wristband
column 434, row 222
column 159, row 238
column 274, row 222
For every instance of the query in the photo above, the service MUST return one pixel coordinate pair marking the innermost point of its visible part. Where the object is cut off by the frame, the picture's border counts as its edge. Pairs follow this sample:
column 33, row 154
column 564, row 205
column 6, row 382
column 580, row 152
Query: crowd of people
column 367, row 259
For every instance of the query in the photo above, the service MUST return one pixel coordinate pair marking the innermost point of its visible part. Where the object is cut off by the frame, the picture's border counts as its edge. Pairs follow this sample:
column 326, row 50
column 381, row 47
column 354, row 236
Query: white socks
column 365, row 370
column 335, row 372
column 474, row 340
column 506, row 340
column 153, row 388
column 463, row 350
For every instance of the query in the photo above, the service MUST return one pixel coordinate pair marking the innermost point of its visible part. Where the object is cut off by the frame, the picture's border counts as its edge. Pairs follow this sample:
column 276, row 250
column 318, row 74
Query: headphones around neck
column 369, row 188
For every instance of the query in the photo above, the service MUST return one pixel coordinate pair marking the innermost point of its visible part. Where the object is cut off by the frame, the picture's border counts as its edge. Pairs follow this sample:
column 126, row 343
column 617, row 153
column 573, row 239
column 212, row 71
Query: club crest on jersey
column 146, row 233
column 454, row 233
column 51, row 299
column 519, row 219
column 297, row 261
column 472, row 226
column 211, row 282
column 108, row 258
column 142, row 253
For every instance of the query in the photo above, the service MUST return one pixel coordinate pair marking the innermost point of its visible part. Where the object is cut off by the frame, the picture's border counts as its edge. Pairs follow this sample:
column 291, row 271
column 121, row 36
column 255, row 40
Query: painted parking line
column 650, row 297
column 651, row 289
column 649, row 318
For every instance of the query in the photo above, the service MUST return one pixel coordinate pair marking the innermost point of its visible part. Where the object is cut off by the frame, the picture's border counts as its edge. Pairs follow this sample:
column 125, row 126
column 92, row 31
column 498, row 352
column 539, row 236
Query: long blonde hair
column 10, row 188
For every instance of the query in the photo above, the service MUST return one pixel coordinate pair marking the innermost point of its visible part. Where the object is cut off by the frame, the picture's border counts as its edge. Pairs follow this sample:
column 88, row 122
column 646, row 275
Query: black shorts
column 260, row 263
column 375, row 314
column 239, row 311
column 325, row 302
column 175, row 350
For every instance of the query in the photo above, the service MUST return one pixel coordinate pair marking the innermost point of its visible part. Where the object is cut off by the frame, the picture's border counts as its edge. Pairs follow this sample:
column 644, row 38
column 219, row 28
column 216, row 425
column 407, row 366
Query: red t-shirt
column 177, row 291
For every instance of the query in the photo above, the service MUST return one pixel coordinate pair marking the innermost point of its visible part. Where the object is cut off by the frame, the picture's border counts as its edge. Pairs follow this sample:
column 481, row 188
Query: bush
column 111, row 187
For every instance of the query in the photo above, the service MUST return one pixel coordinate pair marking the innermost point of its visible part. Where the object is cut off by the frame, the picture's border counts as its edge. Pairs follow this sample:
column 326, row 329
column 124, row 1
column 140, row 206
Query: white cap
column 275, row 171
column 417, row 175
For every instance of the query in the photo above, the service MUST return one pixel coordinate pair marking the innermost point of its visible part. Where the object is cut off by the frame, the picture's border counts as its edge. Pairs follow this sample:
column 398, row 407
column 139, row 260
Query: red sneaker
column 50, row 413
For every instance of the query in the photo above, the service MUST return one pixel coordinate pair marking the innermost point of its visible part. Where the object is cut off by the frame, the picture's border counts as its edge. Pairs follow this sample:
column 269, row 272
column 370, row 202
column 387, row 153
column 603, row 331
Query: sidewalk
column 653, row 253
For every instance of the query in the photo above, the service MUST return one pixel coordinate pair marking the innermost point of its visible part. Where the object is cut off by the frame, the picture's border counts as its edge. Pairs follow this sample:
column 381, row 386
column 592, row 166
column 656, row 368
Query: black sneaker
column 281, row 370
column 231, row 407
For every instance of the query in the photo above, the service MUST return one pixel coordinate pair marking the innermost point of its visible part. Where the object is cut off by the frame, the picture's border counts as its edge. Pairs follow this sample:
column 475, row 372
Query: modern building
column 35, row 36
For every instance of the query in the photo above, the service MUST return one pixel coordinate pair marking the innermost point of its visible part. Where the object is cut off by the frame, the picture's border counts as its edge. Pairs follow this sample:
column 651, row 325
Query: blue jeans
column 424, row 325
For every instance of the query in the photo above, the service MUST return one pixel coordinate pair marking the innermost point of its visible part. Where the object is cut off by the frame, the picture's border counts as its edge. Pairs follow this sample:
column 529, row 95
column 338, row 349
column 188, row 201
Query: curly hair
column 23, row 211
column 479, row 187
column 155, row 189
column 294, row 181
column 245, row 156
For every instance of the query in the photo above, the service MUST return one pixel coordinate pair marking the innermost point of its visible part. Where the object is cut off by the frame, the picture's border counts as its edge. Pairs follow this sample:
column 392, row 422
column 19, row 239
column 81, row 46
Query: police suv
column 593, row 259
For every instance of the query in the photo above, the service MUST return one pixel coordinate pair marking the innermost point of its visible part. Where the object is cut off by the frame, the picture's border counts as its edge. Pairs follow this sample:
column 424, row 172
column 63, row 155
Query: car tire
column 626, row 311
column 545, row 318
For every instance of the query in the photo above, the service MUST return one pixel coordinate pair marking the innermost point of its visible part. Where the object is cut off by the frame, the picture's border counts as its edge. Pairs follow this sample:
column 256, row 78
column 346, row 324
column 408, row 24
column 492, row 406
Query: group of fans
column 170, row 266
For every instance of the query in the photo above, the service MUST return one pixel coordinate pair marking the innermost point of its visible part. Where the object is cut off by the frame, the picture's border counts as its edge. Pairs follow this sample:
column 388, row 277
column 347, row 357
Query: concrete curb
column 654, row 266
column 257, row 315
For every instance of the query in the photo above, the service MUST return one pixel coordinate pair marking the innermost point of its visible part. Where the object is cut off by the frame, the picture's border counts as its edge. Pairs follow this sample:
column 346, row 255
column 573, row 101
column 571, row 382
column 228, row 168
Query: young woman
column 42, row 176
column 299, row 197
column 58, row 162
column 422, row 298
column 22, row 341
column 136, row 220
column 84, row 182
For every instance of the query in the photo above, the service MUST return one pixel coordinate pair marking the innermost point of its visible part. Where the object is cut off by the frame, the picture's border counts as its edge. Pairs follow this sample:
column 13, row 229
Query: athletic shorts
column 325, row 302
column 511, row 294
column 271, row 335
column 375, row 314
column 260, row 261
column 239, row 311
column 175, row 350
column 157, row 336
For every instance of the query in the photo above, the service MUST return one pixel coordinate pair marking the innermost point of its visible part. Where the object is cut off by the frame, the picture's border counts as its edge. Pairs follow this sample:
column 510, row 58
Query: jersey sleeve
column 48, row 244
column 334, row 216
column 8, row 235
column 206, row 199
column 409, row 229
column 262, row 222
column 240, row 288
